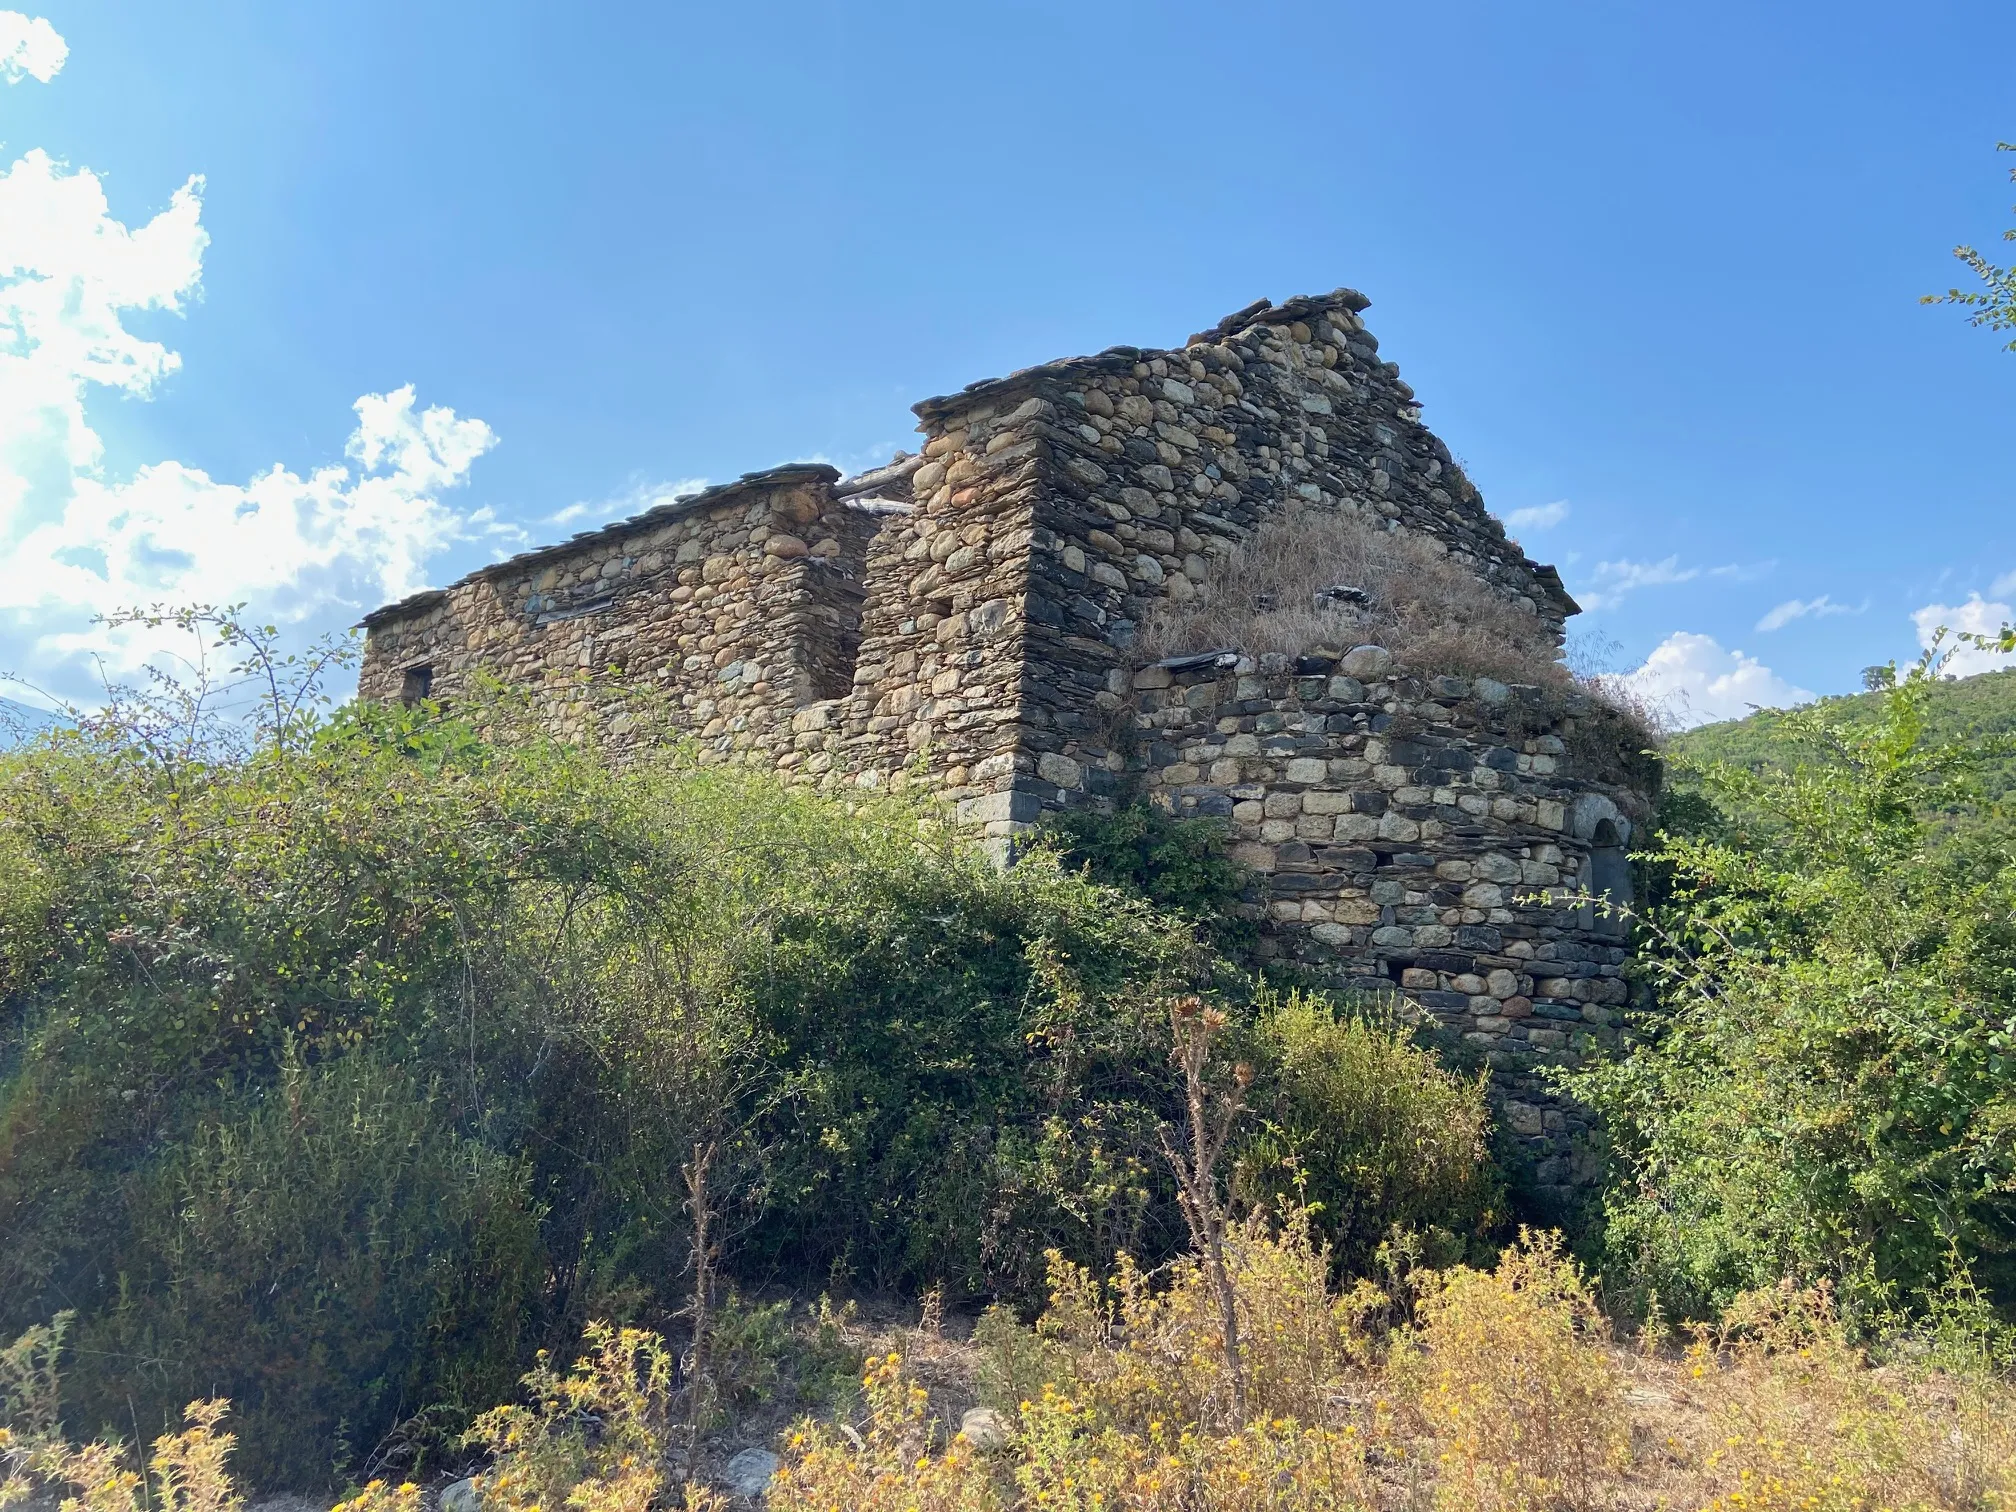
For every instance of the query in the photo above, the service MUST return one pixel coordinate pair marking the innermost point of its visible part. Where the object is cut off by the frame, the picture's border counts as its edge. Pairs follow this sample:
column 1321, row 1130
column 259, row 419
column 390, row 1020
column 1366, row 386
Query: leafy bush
column 331, row 1249
column 1367, row 1128
column 927, row 1031
column 341, row 1068
column 1828, row 1087
column 1176, row 864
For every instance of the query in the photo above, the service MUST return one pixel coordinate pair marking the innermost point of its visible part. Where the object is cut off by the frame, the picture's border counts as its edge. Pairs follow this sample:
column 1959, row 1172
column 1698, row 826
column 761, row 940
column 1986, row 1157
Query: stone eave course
column 1051, row 375
column 706, row 498
column 1549, row 577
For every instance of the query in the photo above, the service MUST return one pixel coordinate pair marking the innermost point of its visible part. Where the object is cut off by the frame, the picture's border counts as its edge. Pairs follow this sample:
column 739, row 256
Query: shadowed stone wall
column 731, row 605
column 1413, row 835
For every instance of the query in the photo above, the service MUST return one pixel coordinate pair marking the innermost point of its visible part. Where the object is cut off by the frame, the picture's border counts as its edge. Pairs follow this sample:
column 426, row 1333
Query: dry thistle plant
column 1429, row 610
column 1194, row 1158
column 1139, row 1353
column 186, row 1473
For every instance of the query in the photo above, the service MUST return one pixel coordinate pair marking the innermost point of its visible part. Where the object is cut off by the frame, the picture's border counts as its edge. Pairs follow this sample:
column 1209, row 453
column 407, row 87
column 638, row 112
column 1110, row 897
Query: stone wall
column 1414, row 836
column 732, row 606
column 965, row 618
column 1074, row 495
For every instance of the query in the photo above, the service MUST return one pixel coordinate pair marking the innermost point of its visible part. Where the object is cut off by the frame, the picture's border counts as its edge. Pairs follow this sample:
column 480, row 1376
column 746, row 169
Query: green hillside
column 1963, row 707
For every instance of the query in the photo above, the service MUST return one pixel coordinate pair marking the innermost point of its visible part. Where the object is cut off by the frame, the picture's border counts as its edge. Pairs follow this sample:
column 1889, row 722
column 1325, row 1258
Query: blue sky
column 1654, row 265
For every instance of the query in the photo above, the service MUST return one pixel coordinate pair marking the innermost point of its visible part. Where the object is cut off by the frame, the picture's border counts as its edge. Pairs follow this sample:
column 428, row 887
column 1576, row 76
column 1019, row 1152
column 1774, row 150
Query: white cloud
column 69, row 273
column 1792, row 609
column 1690, row 680
column 29, row 48
column 2003, row 584
column 1616, row 579
column 1538, row 516
column 1976, row 617
column 79, row 543
column 291, row 545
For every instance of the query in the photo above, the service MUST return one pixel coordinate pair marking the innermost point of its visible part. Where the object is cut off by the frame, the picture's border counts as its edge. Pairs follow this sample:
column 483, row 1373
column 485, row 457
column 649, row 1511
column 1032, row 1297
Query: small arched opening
column 1610, row 880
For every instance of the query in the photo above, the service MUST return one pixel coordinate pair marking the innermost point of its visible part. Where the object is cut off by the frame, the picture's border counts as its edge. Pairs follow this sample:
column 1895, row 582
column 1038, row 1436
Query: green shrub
column 929, row 1029
column 349, row 1066
column 331, row 1255
column 1825, row 1088
column 1179, row 865
column 1368, row 1128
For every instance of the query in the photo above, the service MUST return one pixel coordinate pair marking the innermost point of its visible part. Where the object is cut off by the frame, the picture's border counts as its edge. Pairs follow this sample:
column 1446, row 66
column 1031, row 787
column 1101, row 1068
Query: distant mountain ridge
column 18, row 719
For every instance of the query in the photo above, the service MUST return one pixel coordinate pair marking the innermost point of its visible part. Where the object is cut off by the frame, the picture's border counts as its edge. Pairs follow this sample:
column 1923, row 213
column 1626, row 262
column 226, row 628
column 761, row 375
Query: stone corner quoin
column 963, row 620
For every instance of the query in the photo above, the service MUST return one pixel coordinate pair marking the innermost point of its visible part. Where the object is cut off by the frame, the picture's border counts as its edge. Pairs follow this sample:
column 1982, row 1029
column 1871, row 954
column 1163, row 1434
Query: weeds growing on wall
column 1429, row 610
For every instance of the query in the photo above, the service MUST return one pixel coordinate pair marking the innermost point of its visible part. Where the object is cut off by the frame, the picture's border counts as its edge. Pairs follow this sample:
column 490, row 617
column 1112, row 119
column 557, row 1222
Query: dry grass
column 1510, row 1374
column 1431, row 612
column 1799, row 1418
column 1506, row 1392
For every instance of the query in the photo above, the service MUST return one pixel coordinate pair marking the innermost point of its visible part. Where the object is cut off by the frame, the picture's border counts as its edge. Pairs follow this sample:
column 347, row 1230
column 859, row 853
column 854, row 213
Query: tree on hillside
column 1994, row 305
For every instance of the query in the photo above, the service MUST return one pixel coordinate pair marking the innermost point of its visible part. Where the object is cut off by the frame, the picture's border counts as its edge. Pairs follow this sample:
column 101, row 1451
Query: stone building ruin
column 965, row 621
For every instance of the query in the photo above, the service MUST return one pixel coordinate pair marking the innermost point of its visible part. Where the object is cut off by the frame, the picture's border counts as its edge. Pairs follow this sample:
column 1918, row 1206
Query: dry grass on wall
column 1431, row 612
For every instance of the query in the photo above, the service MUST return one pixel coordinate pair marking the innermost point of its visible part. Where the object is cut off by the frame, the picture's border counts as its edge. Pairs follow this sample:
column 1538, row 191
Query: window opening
column 1609, row 878
column 418, row 683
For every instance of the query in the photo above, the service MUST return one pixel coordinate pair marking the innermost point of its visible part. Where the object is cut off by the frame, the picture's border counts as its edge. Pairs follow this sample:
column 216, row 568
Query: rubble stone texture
column 961, row 621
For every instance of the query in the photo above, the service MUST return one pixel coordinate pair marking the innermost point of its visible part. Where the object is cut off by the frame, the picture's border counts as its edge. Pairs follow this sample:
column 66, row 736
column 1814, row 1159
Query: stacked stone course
column 965, row 620
column 1410, row 836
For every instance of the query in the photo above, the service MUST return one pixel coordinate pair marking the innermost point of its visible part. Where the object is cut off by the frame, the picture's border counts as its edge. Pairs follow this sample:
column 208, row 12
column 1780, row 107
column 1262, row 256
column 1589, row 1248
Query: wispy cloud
column 634, row 500
column 859, row 460
column 1792, row 609
column 1616, row 580
column 1538, row 516
column 1613, row 582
